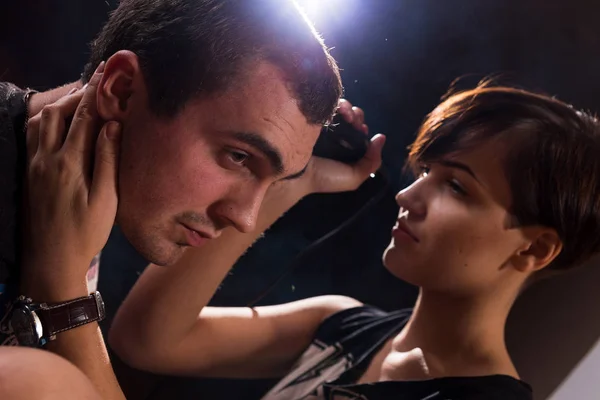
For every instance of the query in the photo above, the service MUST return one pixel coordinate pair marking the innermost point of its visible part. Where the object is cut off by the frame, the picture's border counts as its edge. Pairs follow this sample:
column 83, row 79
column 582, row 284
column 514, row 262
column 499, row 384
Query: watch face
column 23, row 323
column 100, row 306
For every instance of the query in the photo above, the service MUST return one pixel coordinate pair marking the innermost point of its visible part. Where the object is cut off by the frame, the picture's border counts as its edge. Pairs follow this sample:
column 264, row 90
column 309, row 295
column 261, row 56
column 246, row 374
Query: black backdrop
column 398, row 58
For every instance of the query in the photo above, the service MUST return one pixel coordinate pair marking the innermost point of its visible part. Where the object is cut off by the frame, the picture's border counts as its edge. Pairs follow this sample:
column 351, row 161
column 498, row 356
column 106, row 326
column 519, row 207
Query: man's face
column 185, row 179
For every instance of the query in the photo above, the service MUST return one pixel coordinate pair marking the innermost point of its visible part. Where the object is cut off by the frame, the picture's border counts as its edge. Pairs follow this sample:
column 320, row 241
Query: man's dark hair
column 189, row 48
column 552, row 163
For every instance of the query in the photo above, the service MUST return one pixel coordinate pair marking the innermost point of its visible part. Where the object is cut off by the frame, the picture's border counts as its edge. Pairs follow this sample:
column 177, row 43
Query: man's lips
column 197, row 238
column 401, row 228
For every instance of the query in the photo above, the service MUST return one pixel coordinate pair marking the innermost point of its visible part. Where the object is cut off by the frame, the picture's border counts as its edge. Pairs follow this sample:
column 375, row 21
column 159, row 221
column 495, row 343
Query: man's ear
column 121, row 78
column 542, row 247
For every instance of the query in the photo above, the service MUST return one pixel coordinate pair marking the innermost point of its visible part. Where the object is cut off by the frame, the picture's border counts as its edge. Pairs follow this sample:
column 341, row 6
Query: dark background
column 398, row 59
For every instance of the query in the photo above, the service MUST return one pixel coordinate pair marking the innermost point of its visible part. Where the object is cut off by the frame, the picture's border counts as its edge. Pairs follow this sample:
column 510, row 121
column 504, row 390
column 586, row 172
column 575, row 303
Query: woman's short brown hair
column 553, row 161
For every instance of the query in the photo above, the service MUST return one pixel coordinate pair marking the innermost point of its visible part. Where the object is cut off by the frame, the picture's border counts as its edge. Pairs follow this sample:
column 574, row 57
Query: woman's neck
column 458, row 334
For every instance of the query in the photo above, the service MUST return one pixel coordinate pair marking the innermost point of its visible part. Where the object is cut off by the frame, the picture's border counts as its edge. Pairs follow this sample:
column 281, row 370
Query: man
column 211, row 102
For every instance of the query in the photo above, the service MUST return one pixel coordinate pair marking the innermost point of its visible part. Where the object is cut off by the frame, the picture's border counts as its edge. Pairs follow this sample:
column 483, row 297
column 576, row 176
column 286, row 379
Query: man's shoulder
column 13, row 111
column 7, row 87
column 11, row 98
column 10, row 89
column 13, row 114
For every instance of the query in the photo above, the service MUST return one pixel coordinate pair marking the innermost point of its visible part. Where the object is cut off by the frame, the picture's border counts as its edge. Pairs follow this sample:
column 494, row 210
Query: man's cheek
column 209, row 183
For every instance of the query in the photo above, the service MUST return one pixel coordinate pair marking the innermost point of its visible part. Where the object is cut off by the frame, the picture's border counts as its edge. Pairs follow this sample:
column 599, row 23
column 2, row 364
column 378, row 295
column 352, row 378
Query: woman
column 507, row 192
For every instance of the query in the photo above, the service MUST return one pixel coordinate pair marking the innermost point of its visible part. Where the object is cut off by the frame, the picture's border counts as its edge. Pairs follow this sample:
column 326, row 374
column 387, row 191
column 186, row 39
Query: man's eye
column 238, row 157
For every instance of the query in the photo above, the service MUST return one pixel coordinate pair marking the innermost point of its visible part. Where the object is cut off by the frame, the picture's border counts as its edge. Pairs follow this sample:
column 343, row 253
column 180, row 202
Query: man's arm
column 164, row 325
column 68, row 218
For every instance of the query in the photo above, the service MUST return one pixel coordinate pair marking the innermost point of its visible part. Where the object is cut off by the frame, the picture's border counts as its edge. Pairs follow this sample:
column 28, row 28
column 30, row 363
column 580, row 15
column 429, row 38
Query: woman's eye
column 238, row 157
column 453, row 184
column 456, row 188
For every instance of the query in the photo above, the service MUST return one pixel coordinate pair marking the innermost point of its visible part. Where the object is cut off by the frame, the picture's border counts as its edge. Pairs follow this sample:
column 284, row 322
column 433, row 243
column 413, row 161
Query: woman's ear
column 543, row 246
column 121, row 76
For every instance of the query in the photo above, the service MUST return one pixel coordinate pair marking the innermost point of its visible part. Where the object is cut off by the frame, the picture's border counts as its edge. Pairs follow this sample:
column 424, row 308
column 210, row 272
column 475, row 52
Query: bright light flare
column 321, row 11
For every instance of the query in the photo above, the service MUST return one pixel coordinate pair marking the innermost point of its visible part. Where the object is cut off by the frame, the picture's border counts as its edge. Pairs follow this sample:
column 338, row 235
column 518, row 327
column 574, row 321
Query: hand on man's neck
column 39, row 100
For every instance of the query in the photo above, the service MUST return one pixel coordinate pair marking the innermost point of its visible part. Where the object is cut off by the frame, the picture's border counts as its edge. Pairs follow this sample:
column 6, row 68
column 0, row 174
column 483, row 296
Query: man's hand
column 71, row 190
column 329, row 176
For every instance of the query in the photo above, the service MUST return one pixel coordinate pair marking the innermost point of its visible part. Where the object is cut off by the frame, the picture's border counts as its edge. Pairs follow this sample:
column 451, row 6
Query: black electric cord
column 382, row 173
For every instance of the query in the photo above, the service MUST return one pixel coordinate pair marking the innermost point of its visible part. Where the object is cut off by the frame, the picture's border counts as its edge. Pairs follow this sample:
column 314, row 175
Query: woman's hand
column 71, row 192
column 330, row 176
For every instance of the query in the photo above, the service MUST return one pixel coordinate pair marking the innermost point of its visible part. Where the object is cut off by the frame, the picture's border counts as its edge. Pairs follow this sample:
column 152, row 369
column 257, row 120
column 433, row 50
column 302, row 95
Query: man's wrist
column 53, row 290
column 47, row 281
column 289, row 191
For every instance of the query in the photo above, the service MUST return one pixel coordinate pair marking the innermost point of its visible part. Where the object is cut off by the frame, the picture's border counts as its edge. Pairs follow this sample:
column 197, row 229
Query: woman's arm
column 69, row 213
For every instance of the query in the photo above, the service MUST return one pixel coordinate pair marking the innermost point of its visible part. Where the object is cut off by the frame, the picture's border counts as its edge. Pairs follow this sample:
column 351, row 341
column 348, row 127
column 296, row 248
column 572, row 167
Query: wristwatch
column 35, row 324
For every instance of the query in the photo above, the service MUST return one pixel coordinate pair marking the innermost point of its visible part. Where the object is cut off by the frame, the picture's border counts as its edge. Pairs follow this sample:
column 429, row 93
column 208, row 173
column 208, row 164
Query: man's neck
column 39, row 100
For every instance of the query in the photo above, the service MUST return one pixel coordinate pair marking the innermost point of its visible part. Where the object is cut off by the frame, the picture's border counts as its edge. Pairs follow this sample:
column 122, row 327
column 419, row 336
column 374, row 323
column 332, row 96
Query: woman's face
column 460, row 238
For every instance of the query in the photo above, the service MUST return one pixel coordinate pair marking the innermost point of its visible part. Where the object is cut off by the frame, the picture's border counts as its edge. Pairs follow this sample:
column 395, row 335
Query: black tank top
column 342, row 350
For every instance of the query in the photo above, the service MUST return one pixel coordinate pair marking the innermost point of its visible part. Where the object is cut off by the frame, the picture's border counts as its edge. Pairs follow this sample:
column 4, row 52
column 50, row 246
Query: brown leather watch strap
column 61, row 317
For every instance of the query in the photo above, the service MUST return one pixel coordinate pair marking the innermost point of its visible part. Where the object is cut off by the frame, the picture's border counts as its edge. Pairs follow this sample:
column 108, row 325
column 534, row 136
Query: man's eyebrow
column 263, row 146
column 461, row 166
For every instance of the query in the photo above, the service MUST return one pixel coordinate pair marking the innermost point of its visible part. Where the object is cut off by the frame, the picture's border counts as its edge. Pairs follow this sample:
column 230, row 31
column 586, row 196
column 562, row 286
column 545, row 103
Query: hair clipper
column 342, row 142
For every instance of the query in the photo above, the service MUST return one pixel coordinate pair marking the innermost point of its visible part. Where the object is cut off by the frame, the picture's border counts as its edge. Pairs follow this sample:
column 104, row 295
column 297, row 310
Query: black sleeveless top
column 342, row 350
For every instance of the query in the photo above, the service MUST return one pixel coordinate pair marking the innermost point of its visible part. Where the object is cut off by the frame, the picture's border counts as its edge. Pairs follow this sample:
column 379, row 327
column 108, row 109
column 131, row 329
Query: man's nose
column 242, row 207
